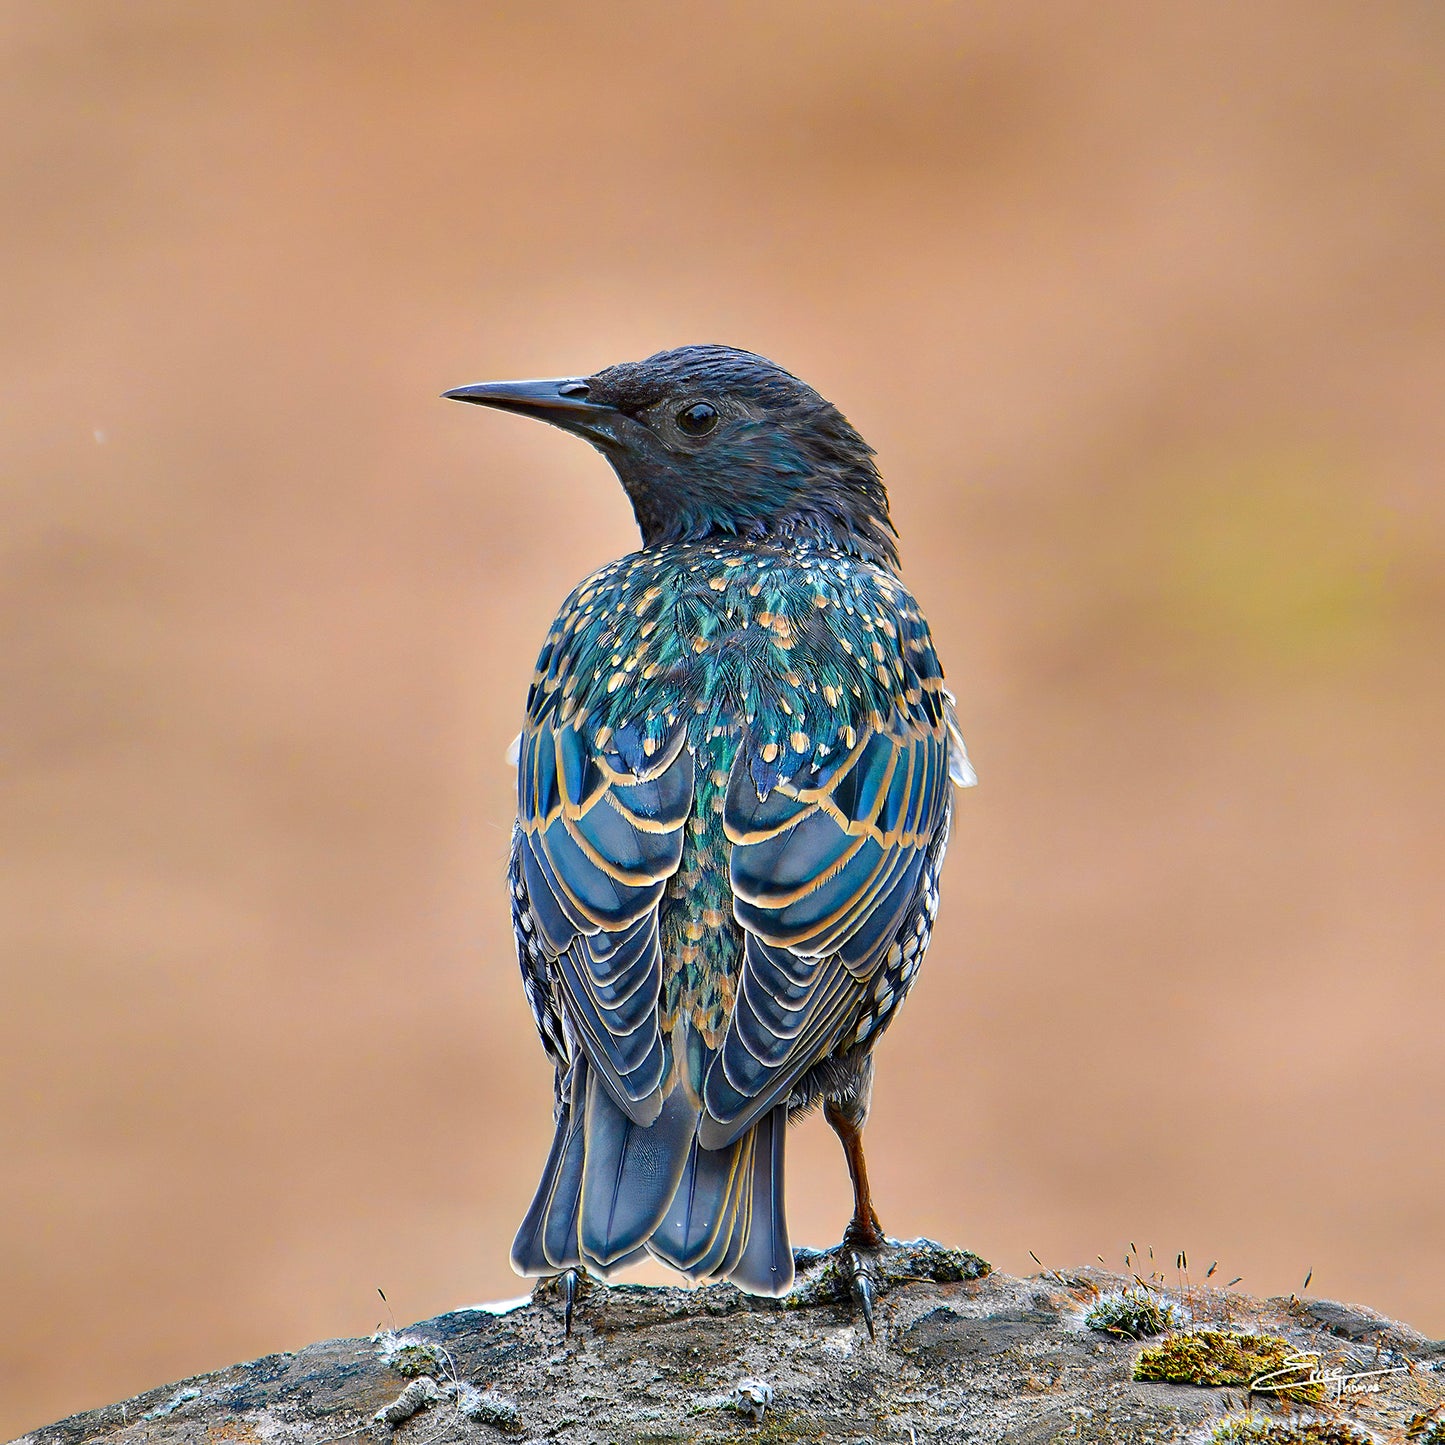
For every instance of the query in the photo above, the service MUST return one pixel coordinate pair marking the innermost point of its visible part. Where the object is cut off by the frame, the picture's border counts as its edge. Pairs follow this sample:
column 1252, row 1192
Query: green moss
column 782, row 1426
column 1212, row 1357
column 1135, row 1312
column 1259, row 1430
column 916, row 1259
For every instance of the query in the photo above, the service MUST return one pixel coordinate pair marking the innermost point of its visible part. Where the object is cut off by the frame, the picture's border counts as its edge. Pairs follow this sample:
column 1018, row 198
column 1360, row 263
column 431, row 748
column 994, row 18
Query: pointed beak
column 564, row 403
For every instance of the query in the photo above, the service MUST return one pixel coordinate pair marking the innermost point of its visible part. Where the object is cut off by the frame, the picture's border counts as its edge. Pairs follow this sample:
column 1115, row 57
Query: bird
column 734, row 793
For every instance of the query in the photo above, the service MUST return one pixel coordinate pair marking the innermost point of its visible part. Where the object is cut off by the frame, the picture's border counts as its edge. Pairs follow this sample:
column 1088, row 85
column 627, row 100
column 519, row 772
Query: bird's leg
column 864, row 1232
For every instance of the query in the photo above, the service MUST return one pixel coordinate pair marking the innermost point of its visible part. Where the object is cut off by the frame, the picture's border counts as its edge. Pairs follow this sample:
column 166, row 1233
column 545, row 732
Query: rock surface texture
column 961, row 1354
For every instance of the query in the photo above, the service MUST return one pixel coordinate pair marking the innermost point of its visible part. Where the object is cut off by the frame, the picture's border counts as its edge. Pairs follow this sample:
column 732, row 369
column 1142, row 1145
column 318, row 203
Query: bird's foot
column 864, row 1233
column 862, row 1285
column 567, row 1288
column 862, row 1240
column 855, row 1274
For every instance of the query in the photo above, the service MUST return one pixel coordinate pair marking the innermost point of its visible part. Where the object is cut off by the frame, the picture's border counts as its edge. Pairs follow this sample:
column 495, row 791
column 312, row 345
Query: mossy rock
column 1214, row 1357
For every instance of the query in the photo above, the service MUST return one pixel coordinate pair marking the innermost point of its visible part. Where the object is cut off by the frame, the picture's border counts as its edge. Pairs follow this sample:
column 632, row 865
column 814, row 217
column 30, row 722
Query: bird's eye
column 698, row 419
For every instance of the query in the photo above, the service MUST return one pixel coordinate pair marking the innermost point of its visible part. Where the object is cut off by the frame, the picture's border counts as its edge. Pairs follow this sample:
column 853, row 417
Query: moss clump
column 486, row 1407
column 408, row 1355
column 918, row 1259
column 1136, row 1312
column 1212, row 1357
column 1257, row 1430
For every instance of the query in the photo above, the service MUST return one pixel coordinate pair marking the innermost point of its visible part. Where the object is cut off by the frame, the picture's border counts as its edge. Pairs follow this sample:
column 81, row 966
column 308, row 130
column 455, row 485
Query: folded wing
column 601, row 820
column 827, row 854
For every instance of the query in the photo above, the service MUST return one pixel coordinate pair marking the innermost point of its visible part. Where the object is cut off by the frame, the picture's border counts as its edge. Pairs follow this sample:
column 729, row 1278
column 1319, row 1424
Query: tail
column 613, row 1191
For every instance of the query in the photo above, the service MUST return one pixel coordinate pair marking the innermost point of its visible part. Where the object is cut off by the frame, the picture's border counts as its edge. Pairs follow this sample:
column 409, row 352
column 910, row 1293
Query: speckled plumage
column 734, row 802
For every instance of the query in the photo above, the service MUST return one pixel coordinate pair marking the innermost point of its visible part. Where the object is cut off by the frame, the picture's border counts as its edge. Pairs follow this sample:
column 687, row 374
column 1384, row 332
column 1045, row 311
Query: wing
column 828, row 855
column 536, row 965
column 600, row 825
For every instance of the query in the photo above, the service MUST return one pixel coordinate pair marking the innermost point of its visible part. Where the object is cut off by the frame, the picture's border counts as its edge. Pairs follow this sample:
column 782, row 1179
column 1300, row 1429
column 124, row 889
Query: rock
column 1364, row 1326
column 945, row 1335
column 962, row 1354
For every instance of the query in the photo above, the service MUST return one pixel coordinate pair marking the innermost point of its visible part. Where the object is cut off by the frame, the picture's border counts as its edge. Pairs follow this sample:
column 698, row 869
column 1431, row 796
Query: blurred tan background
column 1141, row 305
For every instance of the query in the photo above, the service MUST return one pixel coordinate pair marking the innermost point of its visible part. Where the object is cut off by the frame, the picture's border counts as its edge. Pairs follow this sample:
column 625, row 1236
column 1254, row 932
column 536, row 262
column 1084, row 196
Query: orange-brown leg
column 864, row 1230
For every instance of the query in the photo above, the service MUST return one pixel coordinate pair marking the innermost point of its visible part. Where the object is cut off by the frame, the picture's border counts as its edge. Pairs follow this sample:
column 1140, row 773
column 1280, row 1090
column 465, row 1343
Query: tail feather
column 613, row 1191
column 631, row 1172
column 696, row 1231
column 732, row 1238
column 766, row 1265
column 742, row 1221
column 547, row 1239
column 559, row 1235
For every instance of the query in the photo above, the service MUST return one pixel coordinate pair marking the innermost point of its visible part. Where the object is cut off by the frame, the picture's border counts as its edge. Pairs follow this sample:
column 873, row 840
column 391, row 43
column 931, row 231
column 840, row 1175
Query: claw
column 567, row 1285
column 860, row 1286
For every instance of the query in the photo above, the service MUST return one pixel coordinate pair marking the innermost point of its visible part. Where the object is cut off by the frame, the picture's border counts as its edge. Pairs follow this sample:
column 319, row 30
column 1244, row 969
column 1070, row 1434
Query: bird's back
column 733, row 791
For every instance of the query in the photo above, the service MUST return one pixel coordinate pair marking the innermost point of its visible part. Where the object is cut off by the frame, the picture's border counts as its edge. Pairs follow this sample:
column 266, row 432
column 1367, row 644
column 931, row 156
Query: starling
column 733, row 803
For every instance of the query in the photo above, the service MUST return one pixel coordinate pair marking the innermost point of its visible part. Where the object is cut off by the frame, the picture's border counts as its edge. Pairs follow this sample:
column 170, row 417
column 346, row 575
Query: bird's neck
column 867, row 538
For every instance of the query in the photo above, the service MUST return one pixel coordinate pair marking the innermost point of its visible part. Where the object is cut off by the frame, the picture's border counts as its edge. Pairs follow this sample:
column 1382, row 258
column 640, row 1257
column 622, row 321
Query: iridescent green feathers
column 809, row 683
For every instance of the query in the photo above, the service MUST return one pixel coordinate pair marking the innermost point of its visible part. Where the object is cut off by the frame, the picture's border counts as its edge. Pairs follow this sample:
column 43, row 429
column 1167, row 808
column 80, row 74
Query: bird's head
column 709, row 440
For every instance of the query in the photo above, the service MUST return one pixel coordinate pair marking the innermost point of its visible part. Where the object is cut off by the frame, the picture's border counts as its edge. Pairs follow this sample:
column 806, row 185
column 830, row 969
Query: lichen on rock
column 408, row 1355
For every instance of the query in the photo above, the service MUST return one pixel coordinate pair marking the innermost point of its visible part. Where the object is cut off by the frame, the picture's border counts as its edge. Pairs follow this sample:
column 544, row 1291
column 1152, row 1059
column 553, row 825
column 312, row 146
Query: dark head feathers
column 710, row 440
column 780, row 459
column 632, row 386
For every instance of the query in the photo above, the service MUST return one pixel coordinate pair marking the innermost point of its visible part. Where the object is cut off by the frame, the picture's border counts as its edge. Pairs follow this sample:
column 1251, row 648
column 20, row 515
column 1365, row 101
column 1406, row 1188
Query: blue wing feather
column 824, row 866
column 598, row 846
